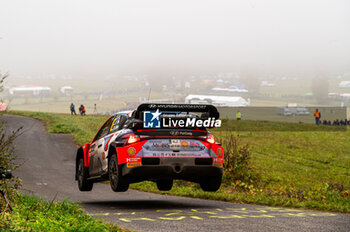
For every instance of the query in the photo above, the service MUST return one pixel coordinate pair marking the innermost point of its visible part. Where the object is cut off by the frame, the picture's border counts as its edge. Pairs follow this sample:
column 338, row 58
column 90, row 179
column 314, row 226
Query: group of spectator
column 336, row 122
column 82, row 109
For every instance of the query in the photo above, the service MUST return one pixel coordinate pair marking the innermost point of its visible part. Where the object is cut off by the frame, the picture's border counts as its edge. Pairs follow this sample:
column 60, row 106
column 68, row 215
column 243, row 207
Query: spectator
column 72, row 109
column 82, row 110
column 317, row 116
column 238, row 115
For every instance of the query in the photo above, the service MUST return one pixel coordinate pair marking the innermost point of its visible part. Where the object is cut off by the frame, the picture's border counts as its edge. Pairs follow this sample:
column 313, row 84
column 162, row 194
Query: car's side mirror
column 122, row 121
column 205, row 115
column 218, row 143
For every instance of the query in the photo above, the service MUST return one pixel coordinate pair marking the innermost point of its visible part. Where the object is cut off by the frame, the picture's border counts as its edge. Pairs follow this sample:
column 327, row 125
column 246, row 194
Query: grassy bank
column 34, row 214
column 290, row 167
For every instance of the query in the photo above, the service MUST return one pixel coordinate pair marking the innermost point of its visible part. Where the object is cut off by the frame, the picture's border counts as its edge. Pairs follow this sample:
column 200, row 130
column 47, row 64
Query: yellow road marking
column 260, row 216
column 239, row 213
column 207, row 212
column 133, row 213
column 99, row 214
column 195, row 217
column 229, row 216
column 172, row 219
column 136, row 219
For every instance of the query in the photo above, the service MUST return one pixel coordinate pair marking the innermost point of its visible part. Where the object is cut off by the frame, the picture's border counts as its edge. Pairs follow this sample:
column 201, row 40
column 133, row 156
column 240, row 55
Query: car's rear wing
column 209, row 110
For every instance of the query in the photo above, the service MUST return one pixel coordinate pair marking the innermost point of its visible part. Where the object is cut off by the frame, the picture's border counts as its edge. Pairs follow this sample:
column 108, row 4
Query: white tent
column 66, row 90
column 217, row 100
column 31, row 90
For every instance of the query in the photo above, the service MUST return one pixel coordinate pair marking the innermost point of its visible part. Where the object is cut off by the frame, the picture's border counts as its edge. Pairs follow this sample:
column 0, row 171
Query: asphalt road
column 48, row 169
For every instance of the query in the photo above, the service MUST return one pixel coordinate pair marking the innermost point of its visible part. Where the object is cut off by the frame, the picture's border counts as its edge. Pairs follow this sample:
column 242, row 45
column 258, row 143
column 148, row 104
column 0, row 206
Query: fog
column 97, row 38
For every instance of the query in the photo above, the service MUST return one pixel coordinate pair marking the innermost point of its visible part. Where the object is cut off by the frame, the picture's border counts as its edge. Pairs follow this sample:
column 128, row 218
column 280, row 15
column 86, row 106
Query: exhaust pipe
column 177, row 169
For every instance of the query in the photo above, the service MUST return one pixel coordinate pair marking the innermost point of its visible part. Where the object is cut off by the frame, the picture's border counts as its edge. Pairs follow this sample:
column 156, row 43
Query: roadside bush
column 7, row 156
column 237, row 166
column 34, row 214
column 6, row 148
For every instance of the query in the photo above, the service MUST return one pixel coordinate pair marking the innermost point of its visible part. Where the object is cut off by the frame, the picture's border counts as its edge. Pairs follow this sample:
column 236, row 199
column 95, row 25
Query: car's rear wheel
column 165, row 185
column 83, row 173
column 118, row 184
column 211, row 184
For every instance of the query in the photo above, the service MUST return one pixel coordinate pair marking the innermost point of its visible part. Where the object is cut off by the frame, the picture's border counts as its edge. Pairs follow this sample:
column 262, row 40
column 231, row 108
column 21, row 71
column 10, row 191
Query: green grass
column 259, row 126
column 292, row 167
column 83, row 128
column 324, row 199
column 295, row 169
column 34, row 214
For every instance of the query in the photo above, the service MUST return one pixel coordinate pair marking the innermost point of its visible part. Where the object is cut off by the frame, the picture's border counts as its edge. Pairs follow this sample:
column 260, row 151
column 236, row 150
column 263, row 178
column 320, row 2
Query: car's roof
column 127, row 112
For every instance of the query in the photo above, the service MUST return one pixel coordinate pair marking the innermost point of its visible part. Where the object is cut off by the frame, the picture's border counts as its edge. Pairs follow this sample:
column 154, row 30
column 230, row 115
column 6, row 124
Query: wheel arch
column 112, row 150
column 80, row 154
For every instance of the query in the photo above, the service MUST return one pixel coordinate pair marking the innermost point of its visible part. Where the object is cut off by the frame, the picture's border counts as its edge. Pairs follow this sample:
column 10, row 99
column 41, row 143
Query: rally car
column 156, row 142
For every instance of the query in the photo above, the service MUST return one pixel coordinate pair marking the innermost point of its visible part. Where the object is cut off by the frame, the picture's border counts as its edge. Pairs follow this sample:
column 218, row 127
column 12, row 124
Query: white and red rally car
column 157, row 142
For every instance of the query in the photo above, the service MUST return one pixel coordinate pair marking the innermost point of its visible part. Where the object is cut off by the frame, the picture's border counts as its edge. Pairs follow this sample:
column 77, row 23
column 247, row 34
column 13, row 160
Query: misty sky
column 82, row 37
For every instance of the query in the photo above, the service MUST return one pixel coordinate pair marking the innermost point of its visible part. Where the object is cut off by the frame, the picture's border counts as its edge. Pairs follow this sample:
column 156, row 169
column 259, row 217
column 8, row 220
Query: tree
column 6, row 140
column 2, row 79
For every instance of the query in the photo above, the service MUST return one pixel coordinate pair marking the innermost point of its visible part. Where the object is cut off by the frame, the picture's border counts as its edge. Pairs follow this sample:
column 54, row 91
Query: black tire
column 118, row 184
column 211, row 184
column 165, row 185
column 83, row 173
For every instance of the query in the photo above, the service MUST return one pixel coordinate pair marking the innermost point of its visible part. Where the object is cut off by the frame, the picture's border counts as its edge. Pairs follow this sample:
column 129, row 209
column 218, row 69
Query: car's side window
column 115, row 124
column 104, row 129
column 98, row 135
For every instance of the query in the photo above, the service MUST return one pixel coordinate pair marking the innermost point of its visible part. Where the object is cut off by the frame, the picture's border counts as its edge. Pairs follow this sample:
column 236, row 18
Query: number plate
column 175, row 144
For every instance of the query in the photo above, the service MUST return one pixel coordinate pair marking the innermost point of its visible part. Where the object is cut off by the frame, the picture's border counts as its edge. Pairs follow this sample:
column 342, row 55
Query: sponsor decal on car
column 175, row 154
column 131, row 151
column 92, row 150
column 189, row 145
column 132, row 165
column 184, row 143
column 106, row 140
column 218, row 162
column 175, row 144
column 133, row 162
column 181, row 133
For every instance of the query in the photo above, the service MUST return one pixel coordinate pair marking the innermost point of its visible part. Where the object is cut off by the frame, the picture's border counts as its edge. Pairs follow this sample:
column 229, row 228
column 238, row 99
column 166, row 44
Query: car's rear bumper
column 191, row 169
